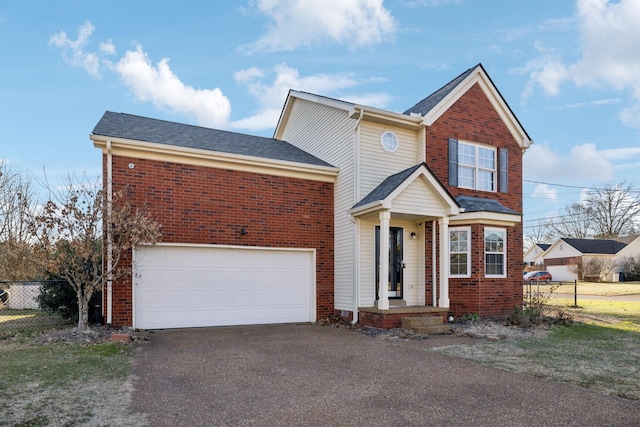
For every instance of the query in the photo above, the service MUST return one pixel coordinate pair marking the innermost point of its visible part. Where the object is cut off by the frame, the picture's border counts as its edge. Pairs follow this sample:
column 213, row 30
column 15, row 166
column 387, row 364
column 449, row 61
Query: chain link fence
column 41, row 303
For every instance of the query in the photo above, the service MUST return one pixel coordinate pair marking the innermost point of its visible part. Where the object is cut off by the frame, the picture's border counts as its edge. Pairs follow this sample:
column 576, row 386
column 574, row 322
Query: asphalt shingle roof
column 137, row 128
column 477, row 204
column 386, row 187
column 596, row 246
column 423, row 107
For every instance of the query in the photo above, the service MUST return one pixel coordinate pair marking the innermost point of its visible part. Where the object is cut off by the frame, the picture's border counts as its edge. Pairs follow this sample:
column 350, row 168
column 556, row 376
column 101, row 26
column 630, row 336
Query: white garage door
column 190, row 286
column 562, row 273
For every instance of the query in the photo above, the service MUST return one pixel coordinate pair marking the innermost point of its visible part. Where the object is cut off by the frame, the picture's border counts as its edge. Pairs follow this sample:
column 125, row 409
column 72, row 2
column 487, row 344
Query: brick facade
column 202, row 205
column 472, row 118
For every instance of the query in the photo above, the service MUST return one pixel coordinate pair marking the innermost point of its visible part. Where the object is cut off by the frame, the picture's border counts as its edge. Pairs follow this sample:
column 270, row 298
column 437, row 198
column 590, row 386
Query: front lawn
column 600, row 352
column 61, row 383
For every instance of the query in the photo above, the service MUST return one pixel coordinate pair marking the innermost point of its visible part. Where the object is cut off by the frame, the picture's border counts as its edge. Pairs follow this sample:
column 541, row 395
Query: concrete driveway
column 310, row 375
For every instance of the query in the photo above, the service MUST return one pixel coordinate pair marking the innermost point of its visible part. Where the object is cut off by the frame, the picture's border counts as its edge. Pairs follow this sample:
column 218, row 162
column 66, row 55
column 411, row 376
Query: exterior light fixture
column 243, row 230
column 413, row 235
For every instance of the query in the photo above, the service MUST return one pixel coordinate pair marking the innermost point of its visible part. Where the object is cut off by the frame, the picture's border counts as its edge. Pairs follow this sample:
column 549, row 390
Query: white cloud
column 543, row 191
column 271, row 96
column 159, row 85
column 624, row 153
column 73, row 50
column 584, row 163
column 302, row 23
column 107, row 48
column 610, row 36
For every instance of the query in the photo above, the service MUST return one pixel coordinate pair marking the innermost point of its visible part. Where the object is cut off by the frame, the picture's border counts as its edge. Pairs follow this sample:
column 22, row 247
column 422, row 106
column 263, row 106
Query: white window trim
column 384, row 147
column 476, row 168
column 468, row 230
column 504, row 253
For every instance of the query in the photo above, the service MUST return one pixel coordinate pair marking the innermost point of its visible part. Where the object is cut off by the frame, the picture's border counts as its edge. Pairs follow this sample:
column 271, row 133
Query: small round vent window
column 389, row 141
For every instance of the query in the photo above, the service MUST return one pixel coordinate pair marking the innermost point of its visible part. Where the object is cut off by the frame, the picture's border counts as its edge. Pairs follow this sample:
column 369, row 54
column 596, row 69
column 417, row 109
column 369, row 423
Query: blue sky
column 570, row 70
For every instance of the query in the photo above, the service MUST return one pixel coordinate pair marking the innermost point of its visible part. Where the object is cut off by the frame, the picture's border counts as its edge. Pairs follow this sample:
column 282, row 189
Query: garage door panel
column 214, row 286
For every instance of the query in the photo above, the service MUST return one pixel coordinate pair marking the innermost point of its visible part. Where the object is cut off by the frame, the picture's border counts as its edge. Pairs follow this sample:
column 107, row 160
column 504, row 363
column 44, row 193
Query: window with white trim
column 476, row 166
column 460, row 252
column 495, row 252
column 389, row 141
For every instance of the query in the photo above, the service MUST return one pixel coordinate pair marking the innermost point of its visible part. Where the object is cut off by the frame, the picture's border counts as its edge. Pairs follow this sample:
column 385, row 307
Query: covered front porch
column 403, row 250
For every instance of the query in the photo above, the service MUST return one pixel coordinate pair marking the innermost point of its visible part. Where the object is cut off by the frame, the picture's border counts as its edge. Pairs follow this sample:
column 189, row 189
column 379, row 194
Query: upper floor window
column 389, row 141
column 476, row 167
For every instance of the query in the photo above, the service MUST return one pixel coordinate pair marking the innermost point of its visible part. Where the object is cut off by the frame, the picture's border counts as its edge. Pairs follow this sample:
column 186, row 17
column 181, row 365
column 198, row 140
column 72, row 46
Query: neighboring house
column 534, row 255
column 562, row 258
column 364, row 213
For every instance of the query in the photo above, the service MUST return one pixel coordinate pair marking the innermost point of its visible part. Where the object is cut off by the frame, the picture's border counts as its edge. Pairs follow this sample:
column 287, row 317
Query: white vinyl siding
column 376, row 164
column 418, row 198
column 328, row 133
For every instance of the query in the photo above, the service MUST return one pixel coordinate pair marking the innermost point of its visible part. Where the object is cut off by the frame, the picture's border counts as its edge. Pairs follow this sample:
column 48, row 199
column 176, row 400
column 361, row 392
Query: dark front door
column 395, row 261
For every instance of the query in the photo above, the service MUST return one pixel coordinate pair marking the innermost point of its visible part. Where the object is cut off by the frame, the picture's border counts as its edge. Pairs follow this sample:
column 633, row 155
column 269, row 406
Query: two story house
column 349, row 210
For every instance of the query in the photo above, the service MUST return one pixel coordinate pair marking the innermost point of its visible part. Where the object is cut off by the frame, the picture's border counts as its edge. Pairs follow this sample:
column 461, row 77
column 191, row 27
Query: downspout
column 434, row 273
column 109, row 265
column 356, row 189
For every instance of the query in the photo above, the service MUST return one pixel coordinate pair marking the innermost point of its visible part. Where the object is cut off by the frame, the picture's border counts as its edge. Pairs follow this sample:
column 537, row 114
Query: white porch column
column 444, row 262
column 383, row 282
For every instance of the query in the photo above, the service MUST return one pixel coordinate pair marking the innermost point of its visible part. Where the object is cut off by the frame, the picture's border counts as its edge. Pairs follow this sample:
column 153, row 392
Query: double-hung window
column 460, row 252
column 476, row 166
column 495, row 252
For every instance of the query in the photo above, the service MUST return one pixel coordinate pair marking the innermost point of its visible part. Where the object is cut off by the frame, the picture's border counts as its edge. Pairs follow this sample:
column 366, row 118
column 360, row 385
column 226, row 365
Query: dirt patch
column 489, row 329
column 95, row 334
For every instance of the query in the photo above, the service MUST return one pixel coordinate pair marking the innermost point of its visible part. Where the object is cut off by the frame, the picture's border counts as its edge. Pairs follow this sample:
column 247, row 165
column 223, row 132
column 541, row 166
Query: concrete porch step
column 430, row 325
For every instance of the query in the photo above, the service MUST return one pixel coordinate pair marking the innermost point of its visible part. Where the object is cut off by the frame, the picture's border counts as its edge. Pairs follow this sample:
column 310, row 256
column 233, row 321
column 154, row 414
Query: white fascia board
column 202, row 157
column 368, row 208
column 480, row 77
column 452, row 207
column 483, row 217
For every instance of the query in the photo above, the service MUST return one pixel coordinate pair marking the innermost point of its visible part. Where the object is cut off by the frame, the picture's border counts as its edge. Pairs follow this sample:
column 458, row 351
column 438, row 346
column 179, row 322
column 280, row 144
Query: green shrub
column 58, row 297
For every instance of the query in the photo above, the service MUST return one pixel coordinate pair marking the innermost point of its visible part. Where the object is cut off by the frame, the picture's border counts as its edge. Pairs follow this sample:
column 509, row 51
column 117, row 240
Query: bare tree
column 16, row 198
column 575, row 223
column 614, row 210
column 69, row 236
column 540, row 232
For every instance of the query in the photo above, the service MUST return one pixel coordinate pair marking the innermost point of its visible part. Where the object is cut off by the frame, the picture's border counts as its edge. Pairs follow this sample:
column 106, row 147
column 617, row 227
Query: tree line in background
column 61, row 237
column 610, row 212
column 604, row 213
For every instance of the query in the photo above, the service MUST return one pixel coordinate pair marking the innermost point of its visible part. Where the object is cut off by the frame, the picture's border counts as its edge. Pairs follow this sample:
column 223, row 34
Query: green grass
column 63, row 383
column 60, row 383
column 27, row 322
column 600, row 352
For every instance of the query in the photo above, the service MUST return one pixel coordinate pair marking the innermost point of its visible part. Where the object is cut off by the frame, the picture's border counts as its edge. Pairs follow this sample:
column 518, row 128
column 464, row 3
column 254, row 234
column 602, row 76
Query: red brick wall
column 203, row 205
column 473, row 118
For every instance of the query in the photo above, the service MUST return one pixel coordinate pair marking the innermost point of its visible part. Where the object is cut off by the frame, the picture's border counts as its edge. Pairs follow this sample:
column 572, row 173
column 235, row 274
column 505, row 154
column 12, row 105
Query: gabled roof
column 434, row 105
column 386, row 187
column 477, row 204
column 595, row 246
column 137, row 128
column 426, row 105
column 543, row 246
column 383, row 195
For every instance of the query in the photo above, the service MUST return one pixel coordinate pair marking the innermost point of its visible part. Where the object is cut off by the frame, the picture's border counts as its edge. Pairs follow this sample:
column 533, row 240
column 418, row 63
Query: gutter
column 356, row 266
column 109, row 265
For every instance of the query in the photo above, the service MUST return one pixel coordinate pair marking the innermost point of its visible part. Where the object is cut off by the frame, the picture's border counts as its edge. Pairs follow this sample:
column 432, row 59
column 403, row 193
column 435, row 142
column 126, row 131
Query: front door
column 396, row 264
